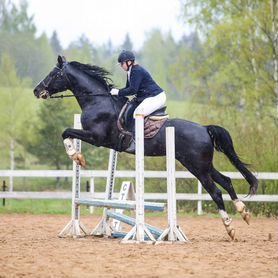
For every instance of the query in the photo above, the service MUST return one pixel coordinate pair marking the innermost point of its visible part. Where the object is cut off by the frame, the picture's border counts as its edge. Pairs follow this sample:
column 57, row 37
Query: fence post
column 199, row 206
column 92, row 191
column 4, row 189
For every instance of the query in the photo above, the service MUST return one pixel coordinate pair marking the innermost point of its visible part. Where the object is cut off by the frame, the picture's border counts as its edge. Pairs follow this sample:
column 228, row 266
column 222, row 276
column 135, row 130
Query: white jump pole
column 139, row 151
column 173, row 233
column 75, row 228
column 137, row 233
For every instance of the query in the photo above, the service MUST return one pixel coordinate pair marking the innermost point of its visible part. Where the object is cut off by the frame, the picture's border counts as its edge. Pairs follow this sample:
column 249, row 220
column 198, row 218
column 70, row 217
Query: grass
column 49, row 207
column 64, row 207
column 36, row 206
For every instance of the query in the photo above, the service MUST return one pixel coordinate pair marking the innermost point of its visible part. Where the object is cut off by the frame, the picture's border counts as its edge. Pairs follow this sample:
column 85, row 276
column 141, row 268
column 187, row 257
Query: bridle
column 52, row 78
column 60, row 73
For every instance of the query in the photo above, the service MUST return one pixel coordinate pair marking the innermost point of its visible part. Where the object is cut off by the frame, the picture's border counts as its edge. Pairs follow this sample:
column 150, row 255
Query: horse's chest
column 93, row 121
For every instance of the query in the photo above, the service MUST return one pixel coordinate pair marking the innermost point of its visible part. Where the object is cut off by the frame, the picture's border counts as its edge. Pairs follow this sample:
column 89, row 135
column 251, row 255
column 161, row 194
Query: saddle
column 152, row 123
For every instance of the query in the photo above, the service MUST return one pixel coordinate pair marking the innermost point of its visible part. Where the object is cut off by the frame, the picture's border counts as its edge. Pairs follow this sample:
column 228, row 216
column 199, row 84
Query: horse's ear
column 61, row 60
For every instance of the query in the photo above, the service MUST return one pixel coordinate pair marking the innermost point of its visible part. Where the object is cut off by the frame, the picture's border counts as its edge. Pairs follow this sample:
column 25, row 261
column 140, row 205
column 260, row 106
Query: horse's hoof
column 79, row 159
column 229, row 228
column 246, row 216
column 232, row 233
column 241, row 208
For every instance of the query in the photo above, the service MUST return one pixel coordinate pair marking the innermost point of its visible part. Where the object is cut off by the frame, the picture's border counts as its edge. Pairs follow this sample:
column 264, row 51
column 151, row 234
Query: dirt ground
column 30, row 247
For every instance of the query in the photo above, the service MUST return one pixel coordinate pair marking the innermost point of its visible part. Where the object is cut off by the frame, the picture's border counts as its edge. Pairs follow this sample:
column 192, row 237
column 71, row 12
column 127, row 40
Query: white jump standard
column 173, row 233
column 103, row 228
column 138, row 232
column 75, row 228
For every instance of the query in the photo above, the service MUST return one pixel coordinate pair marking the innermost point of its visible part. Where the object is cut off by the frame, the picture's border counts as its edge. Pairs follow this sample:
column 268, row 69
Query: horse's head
column 56, row 81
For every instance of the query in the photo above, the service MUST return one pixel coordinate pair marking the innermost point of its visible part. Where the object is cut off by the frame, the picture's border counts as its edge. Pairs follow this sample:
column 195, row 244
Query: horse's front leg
column 68, row 135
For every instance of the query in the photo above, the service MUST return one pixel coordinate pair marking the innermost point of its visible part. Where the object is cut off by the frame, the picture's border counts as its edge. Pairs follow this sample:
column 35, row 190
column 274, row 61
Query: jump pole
column 103, row 227
column 75, row 228
column 137, row 233
column 173, row 233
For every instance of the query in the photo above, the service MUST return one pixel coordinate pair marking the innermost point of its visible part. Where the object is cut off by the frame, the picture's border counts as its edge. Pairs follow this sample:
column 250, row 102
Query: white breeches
column 150, row 104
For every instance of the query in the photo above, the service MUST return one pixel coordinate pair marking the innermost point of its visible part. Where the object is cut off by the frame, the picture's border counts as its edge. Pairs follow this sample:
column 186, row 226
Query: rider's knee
column 139, row 110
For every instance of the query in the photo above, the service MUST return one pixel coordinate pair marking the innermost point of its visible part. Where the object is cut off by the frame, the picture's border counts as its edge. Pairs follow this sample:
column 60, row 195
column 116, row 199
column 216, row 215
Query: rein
column 62, row 96
column 80, row 95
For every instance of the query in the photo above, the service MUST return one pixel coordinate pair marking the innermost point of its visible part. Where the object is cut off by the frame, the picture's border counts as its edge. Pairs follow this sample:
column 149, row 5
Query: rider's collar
column 128, row 72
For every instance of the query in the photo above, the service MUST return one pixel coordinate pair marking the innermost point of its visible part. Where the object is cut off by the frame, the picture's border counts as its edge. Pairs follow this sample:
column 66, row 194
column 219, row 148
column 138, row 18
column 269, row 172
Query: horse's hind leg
column 216, row 195
column 226, row 183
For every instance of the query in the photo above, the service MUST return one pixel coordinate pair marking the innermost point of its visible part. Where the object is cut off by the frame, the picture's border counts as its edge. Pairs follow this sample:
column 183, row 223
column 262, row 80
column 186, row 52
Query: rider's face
column 125, row 65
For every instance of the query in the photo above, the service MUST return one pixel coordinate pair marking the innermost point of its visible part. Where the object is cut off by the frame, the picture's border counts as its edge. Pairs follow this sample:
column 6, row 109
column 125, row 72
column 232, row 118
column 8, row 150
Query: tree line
column 224, row 72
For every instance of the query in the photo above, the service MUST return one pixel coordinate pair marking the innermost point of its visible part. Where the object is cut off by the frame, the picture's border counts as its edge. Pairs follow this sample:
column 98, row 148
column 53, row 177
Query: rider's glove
column 114, row 92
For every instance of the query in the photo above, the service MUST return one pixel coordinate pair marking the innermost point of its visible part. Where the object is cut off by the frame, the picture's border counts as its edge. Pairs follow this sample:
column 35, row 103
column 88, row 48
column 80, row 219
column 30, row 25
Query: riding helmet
column 126, row 55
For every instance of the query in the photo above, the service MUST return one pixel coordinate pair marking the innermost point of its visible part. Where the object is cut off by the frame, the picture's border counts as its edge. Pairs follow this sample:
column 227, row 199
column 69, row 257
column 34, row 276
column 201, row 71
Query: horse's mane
column 95, row 72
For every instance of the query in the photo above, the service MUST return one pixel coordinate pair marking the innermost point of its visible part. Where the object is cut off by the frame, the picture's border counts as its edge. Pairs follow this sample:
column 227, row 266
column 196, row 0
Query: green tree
column 14, row 109
column 48, row 144
column 80, row 50
column 15, row 19
column 127, row 44
column 236, row 70
column 240, row 42
column 181, row 71
column 32, row 56
column 55, row 44
column 158, row 53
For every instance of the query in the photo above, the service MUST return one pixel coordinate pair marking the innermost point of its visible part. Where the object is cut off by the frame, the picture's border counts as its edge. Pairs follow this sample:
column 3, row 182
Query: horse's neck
column 99, row 101
column 94, row 96
column 90, row 93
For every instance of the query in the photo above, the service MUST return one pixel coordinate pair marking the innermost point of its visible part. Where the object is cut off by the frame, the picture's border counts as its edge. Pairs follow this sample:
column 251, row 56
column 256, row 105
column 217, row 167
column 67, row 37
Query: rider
column 140, row 84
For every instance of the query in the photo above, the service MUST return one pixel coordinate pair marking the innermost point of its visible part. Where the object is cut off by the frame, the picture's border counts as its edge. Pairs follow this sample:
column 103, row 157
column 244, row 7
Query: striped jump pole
column 75, row 228
column 137, row 233
column 104, row 227
column 131, row 221
column 120, row 204
column 173, row 233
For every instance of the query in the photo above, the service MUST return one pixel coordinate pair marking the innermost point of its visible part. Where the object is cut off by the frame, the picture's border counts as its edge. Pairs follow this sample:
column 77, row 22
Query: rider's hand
column 114, row 92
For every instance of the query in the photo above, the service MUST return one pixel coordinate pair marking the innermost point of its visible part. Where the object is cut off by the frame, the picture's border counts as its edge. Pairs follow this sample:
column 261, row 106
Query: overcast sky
column 101, row 20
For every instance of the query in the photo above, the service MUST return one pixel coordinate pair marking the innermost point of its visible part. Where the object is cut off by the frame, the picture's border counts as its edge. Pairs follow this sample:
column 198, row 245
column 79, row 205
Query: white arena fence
column 92, row 174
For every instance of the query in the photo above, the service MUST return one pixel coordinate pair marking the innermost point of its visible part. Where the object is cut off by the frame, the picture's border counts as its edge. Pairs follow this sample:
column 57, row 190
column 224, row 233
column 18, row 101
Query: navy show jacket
column 140, row 84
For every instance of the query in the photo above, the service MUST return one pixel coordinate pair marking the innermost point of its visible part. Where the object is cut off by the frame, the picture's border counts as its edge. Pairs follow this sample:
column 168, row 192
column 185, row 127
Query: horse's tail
column 222, row 142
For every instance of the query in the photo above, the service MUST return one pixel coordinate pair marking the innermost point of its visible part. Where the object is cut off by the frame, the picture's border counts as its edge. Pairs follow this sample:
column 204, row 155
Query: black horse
column 194, row 143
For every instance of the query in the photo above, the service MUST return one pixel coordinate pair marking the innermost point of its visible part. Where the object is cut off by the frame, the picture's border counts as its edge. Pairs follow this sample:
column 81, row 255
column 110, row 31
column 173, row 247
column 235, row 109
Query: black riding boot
column 131, row 147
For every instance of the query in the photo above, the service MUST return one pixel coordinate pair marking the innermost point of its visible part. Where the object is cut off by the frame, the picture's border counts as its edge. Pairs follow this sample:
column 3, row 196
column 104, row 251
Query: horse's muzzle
column 44, row 94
